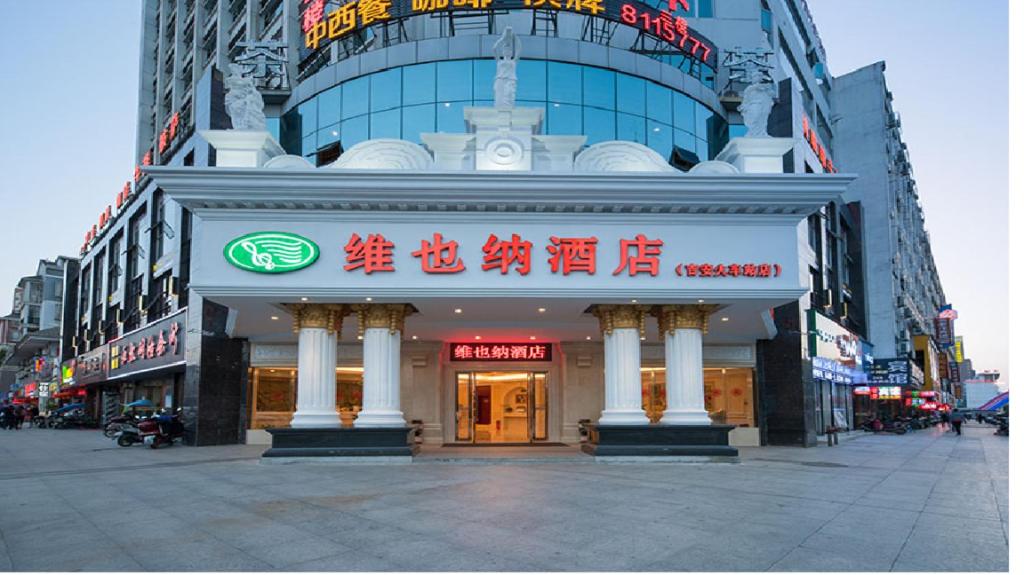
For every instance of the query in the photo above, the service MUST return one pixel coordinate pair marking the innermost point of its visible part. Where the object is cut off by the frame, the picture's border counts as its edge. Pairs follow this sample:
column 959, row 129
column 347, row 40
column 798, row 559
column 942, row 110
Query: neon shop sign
column 477, row 351
column 320, row 25
column 280, row 252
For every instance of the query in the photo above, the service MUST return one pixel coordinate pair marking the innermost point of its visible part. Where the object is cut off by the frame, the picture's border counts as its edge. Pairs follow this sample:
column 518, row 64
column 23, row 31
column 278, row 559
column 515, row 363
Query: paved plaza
column 71, row 500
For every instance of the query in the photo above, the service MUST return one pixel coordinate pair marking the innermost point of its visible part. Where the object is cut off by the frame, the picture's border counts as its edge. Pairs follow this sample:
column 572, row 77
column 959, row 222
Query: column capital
column 620, row 316
column 683, row 316
column 382, row 315
column 317, row 315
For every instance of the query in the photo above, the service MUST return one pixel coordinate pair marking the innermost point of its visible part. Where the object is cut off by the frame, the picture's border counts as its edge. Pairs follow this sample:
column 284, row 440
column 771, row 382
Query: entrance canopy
column 495, row 244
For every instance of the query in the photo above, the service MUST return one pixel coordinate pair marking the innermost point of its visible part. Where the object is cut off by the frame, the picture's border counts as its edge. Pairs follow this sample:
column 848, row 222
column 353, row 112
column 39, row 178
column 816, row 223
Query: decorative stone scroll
column 382, row 315
column 317, row 315
column 621, row 317
column 692, row 316
column 620, row 156
column 384, row 154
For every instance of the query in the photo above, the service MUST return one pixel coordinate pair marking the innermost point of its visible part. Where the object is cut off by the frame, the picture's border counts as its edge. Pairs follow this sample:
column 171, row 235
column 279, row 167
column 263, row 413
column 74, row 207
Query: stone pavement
column 925, row 501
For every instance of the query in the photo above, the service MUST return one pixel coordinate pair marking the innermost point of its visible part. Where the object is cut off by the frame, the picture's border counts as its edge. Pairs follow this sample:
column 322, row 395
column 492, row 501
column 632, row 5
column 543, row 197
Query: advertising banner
column 895, row 372
column 158, row 345
column 91, row 366
column 943, row 332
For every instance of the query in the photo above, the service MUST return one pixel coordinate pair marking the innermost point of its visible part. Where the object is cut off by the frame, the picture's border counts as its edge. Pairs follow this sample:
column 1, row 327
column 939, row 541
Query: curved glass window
column 410, row 100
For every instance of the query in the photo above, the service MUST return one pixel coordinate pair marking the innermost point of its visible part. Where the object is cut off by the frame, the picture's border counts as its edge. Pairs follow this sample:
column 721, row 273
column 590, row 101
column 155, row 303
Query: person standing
column 957, row 419
column 32, row 415
column 19, row 416
column 945, row 421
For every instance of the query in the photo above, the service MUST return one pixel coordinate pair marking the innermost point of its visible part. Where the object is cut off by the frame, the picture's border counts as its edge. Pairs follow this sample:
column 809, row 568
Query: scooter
column 161, row 429
column 128, row 435
column 117, row 423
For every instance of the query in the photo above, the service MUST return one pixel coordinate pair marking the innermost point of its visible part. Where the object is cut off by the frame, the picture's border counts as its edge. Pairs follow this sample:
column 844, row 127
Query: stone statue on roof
column 243, row 101
column 506, row 54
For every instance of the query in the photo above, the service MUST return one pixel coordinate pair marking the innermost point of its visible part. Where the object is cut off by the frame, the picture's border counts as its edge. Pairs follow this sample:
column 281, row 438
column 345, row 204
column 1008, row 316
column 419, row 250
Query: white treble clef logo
column 261, row 259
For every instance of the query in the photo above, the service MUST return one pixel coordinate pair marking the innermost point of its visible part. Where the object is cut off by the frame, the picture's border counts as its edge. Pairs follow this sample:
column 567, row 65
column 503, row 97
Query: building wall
column 903, row 287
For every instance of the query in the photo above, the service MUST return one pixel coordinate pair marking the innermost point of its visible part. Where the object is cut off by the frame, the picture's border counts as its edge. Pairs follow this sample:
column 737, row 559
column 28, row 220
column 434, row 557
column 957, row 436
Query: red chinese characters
column 439, row 257
column 672, row 29
column 373, row 255
column 707, row 270
column 478, row 351
column 502, row 254
column 640, row 255
column 573, row 255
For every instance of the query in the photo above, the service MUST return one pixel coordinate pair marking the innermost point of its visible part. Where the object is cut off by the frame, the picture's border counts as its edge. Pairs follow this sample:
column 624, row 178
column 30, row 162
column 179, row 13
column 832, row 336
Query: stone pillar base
column 659, row 440
column 326, row 442
column 307, row 419
column 380, row 418
column 681, row 417
column 624, row 417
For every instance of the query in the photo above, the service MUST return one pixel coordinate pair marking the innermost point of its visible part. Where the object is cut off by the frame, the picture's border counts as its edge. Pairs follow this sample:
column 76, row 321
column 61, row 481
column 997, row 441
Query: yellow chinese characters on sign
column 343, row 20
column 591, row 6
column 436, row 5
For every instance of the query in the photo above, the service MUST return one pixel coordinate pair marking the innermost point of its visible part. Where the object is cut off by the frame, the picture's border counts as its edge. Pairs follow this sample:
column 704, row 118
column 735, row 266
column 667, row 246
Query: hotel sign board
column 569, row 255
column 479, row 351
column 91, row 366
column 895, row 372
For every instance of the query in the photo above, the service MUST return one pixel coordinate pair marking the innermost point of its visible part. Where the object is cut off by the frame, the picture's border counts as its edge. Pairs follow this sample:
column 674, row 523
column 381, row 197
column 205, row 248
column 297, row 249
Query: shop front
column 149, row 364
column 890, row 382
column 500, row 286
column 83, row 380
column 840, row 360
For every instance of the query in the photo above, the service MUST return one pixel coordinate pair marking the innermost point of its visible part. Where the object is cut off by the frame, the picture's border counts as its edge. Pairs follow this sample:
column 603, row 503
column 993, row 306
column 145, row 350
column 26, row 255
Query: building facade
column 908, row 315
column 607, row 74
column 31, row 333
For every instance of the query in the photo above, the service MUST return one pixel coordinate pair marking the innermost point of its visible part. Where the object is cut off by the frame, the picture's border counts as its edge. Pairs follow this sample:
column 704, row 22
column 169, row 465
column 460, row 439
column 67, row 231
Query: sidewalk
column 879, row 503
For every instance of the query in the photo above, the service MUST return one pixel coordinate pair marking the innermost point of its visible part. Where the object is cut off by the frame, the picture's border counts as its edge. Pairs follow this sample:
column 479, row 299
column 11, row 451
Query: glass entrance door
column 501, row 407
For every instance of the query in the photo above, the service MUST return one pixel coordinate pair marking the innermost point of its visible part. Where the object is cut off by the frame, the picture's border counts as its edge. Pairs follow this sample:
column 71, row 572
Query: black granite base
column 345, row 442
column 660, row 440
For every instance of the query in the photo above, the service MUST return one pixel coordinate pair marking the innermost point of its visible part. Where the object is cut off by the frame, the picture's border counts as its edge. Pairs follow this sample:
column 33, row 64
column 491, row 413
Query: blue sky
column 67, row 131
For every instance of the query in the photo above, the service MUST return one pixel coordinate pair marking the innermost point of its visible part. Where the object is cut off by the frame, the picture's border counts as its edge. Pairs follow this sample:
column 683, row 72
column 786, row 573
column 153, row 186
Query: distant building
column 31, row 333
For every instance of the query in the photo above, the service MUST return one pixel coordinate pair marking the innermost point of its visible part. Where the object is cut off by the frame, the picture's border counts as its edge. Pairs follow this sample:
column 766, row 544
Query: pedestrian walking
column 9, row 415
column 958, row 419
column 945, row 421
column 19, row 416
column 33, row 414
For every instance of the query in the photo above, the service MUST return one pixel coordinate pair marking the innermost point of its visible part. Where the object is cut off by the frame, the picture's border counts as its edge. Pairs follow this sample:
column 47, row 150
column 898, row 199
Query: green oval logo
column 271, row 252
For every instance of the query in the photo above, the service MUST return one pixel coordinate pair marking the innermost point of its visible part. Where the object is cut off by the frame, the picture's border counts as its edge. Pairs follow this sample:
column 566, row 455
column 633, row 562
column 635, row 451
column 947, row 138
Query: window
column 114, row 265
column 577, row 99
column 136, row 255
column 160, row 231
column 705, row 8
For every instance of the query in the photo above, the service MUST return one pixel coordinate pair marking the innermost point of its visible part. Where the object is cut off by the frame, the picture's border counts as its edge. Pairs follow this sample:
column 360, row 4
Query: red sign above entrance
column 478, row 351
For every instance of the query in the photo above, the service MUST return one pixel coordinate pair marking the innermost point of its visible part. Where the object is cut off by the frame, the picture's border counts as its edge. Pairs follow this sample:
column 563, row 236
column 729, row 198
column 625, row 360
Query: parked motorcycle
column 161, row 429
column 117, row 423
column 73, row 418
column 128, row 435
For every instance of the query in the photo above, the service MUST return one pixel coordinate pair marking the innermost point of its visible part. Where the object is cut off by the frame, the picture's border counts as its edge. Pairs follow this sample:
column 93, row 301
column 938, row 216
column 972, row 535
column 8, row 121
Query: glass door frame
column 531, row 409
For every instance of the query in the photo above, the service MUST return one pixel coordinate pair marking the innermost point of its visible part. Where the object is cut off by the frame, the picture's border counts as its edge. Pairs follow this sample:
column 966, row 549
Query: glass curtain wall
column 408, row 101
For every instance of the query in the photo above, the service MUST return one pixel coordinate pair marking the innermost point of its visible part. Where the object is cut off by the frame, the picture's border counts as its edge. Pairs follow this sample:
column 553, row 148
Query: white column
column 381, row 326
column 622, row 389
column 682, row 328
column 684, row 378
column 382, row 351
column 318, row 355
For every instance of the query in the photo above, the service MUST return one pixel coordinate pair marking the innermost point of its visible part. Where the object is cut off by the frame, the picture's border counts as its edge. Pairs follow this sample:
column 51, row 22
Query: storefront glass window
column 597, row 88
column 728, row 394
column 417, row 120
column 564, row 119
column 274, row 395
column 386, row 90
column 353, row 131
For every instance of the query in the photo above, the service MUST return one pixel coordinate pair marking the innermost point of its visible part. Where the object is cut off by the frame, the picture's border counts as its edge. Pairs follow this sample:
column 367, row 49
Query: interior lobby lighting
column 415, row 337
column 532, row 337
column 632, row 301
column 588, row 338
column 476, row 337
column 458, row 310
column 725, row 319
column 542, row 309
column 274, row 317
column 700, row 301
column 304, row 298
column 360, row 337
column 369, row 299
